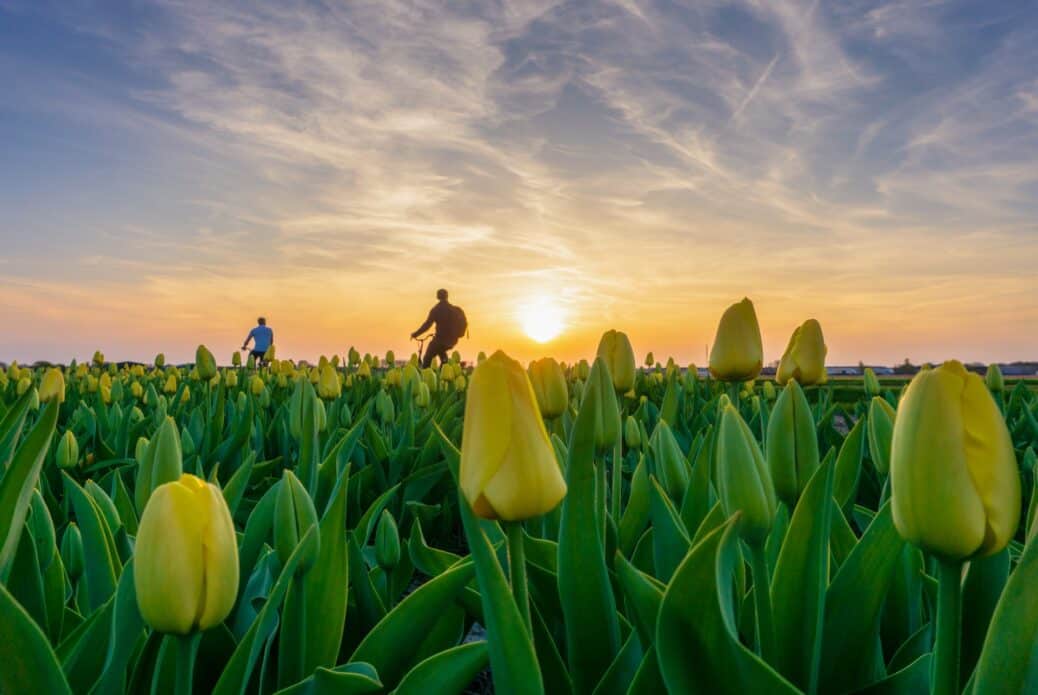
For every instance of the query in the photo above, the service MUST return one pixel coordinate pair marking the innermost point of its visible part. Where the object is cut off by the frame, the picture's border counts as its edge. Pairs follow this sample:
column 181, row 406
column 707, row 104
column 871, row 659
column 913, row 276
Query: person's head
column 261, row 321
column 441, row 295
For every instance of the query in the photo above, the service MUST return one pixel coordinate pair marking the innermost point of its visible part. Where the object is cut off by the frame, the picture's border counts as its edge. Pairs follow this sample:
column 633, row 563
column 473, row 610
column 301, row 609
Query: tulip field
column 363, row 525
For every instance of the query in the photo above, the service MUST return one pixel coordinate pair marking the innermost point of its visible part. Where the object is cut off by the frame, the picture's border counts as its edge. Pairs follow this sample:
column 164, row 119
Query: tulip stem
column 949, row 628
column 517, row 570
column 734, row 387
column 762, row 602
column 187, row 651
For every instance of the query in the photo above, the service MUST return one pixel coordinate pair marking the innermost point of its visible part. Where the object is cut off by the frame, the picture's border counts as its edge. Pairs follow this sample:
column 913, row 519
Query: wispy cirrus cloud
column 646, row 162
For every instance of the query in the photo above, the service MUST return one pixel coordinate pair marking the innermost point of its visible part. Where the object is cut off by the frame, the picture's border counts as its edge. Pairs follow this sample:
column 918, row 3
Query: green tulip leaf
column 697, row 641
column 355, row 678
column 450, row 671
column 29, row 663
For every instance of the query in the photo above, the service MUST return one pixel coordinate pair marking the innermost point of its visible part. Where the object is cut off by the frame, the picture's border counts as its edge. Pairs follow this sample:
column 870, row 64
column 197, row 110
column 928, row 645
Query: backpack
column 458, row 325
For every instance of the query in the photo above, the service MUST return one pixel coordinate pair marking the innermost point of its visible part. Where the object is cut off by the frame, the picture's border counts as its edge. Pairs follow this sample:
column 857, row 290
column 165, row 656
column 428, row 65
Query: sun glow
column 541, row 319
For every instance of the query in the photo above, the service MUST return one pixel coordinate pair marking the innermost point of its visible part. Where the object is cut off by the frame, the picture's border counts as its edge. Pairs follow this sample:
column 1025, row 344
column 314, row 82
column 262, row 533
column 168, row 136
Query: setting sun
column 541, row 319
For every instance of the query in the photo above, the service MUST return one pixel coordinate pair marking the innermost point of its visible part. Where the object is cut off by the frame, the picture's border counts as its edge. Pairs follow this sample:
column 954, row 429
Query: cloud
column 646, row 162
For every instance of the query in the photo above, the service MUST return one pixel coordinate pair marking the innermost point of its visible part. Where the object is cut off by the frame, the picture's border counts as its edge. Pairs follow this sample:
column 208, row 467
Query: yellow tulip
column 170, row 386
column 67, row 453
column 549, row 385
column 508, row 467
column 804, row 358
column 328, row 385
column 186, row 557
column 256, row 385
column 52, row 386
column 615, row 350
column 737, row 353
column 364, row 371
column 205, row 363
column 270, row 354
column 994, row 379
column 99, row 357
column 136, row 390
column 230, row 379
column 955, row 487
column 422, row 397
column 160, row 360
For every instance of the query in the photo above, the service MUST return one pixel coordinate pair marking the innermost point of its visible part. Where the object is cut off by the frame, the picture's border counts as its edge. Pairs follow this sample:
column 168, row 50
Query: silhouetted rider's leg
column 436, row 349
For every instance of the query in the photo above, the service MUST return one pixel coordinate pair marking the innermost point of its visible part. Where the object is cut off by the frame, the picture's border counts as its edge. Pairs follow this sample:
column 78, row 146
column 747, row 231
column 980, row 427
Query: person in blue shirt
column 263, row 337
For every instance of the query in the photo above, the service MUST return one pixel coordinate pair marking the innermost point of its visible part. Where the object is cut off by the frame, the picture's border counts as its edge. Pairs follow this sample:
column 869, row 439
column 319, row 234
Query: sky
column 171, row 170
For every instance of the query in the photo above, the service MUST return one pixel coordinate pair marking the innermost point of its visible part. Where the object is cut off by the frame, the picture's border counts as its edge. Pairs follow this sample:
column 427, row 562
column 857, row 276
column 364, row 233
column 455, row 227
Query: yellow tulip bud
column 99, row 358
column 256, row 385
column 599, row 394
column 231, row 379
column 744, row 483
column 236, row 359
column 52, row 387
column 409, row 375
column 422, row 397
column 737, row 353
column 390, row 358
column 549, row 385
column 23, row 385
column 650, row 360
column 160, row 360
column 364, row 371
column 615, row 350
column 186, row 557
column 205, row 363
column 67, row 454
column 508, row 466
column 91, row 383
column 632, row 433
column 804, row 358
column 270, row 354
column 170, row 386
column 329, row 386
column 460, row 382
column 955, row 487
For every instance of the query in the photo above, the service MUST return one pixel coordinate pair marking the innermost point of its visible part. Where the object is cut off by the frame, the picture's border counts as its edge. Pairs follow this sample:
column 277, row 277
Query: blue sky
column 171, row 169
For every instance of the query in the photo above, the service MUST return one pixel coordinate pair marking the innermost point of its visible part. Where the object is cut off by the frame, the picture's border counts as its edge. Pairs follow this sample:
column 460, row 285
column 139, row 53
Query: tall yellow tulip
column 737, row 353
column 955, row 487
column 549, row 385
column 52, row 386
column 186, row 557
column 508, row 466
column 615, row 350
column 205, row 363
column 804, row 358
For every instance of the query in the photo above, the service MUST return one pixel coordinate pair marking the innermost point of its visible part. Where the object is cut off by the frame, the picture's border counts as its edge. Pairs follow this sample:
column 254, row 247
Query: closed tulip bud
column 995, row 381
column 186, row 395
column 67, row 453
column 256, row 385
column 230, row 379
column 392, row 377
column 549, row 386
column 632, row 433
column 671, row 468
column 187, row 443
column 186, row 558
column 583, row 370
column 205, row 363
column 23, row 385
column 314, row 375
column 881, row 431
column 384, row 408
column 409, row 375
column 170, row 386
column 481, row 357
column 744, row 483
column 737, row 353
column 72, row 551
column 160, row 360
column 99, row 358
column 650, row 360
column 52, row 387
column 955, row 487
column 329, row 386
column 271, row 354
column 294, row 514
column 792, row 444
column 508, row 466
column 430, row 378
column 353, row 357
column 615, row 349
column 460, row 383
column 91, row 383
column 804, row 358
column 236, row 359
column 871, row 383
column 390, row 358
column 422, row 397
column 768, row 389
column 600, row 395
column 387, row 542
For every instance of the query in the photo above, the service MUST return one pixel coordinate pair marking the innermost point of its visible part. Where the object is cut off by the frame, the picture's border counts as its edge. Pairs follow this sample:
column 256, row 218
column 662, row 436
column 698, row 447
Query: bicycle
column 421, row 344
